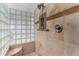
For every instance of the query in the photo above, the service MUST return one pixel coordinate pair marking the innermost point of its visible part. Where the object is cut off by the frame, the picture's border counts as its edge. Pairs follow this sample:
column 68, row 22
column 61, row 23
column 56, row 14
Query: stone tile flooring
column 31, row 54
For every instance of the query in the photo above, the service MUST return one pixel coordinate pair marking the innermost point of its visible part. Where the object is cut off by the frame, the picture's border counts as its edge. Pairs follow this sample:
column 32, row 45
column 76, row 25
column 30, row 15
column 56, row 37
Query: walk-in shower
column 16, row 27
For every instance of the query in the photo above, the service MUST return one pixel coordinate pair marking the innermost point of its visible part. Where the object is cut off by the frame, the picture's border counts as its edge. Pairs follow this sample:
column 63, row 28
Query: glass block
column 12, row 27
column 13, row 11
column 18, row 41
column 32, row 27
column 18, row 31
column 28, row 31
column 32, row 38
column 18, row 17
column 28, row 27
column 32, row 31
column 28, row 36
column 23, row 22
column 32, row 23
column 13, row 21
column 28, row 40
column 23, row 17
column 12, row 42
column 12, row 16
column 18, row 36
column 28, row 19
column 23, row 27
column 28, row 23
column 23, row 35
column 4, row 41
column 5, row 27
column 14, row 37
column 18, row 12
column 13, row 31
column 23, row 40
column 0, row 51
column 32, row 19
column 23, row 31
column 18, row 26
column 19, row 22
column 32, row 35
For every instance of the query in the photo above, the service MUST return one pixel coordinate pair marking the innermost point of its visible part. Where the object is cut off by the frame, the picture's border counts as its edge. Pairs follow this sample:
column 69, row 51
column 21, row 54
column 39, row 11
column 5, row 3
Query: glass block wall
column 4, row 29
column 16, row 27
column 21, row 26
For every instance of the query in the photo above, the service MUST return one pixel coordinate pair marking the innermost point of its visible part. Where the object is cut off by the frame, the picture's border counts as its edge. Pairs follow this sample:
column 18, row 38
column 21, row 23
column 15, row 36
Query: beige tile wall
column 52, row 43
column 71, row 35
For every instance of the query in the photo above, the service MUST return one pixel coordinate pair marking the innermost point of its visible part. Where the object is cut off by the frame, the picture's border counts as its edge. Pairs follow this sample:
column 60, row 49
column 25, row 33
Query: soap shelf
column 43, row 30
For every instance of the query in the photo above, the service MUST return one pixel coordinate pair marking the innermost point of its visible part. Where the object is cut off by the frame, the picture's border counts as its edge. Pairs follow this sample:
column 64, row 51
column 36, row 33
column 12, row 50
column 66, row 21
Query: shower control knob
column 58, row 28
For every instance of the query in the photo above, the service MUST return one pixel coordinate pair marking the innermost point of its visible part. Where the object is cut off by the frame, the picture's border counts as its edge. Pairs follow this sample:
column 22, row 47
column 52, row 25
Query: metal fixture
column 42, row 17
column 58, row 28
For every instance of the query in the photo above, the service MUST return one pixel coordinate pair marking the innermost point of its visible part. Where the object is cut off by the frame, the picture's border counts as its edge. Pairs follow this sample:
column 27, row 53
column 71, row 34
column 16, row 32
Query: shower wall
column 16, row 27
column 49, row 42
column 21, row 25
column 53, row 43
column 71, row 36
column 4, row 29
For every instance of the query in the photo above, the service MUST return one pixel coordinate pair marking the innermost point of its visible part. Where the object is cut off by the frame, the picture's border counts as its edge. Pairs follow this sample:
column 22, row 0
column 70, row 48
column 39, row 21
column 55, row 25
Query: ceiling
column 29, row 7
